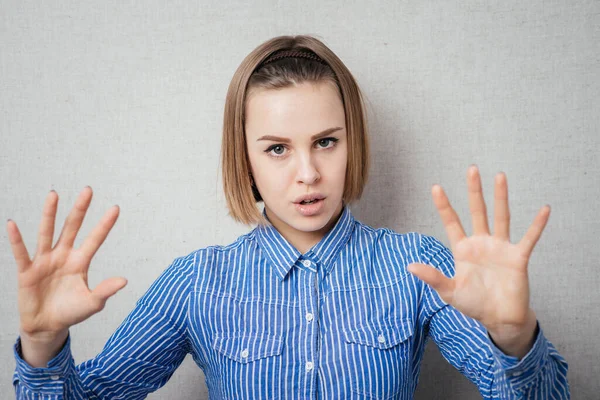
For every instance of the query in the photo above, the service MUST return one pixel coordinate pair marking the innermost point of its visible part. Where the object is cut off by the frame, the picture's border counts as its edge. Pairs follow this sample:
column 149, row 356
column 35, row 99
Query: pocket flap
column 245, row 347
column 381, row 335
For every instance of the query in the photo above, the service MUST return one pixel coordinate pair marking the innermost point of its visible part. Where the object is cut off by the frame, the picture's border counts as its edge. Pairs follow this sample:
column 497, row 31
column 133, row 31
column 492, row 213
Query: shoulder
column 210, row 256
column 408, row 243
column 210, row 264
column 414, row 247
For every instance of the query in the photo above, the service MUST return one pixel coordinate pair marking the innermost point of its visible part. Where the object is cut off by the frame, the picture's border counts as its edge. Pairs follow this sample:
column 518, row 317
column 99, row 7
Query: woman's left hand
column 491, row 282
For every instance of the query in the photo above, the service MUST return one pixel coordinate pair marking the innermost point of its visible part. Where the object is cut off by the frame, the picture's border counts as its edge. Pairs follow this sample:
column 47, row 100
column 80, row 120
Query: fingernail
column 8, row 220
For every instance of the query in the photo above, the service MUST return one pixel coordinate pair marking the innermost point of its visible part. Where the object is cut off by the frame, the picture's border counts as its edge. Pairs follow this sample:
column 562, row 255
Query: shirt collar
column 283, row 255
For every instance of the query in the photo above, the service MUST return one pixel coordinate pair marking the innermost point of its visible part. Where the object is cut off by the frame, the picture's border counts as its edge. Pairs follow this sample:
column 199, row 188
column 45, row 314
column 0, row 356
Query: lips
column 308, row 198
column 310, row 204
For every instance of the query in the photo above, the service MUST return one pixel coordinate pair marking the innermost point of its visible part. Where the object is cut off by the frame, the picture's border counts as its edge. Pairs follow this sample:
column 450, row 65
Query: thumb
column 434, row 278
column 107, row 288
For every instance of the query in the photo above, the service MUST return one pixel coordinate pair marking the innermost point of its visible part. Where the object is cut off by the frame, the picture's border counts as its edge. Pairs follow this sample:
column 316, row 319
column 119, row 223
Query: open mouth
column 310, row 208
column 309, row 201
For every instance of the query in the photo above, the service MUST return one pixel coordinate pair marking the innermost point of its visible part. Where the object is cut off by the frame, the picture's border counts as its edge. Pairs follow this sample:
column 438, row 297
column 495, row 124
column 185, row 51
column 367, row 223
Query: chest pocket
column 250, row 364
column 245, row 348
column 380, row 358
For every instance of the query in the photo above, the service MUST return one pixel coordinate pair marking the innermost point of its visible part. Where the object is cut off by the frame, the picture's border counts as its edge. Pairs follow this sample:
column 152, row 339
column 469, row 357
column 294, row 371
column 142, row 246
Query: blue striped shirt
column 345, row 320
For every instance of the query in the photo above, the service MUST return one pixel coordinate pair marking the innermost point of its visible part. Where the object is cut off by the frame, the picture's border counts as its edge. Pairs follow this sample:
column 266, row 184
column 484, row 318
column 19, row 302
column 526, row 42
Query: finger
column 46, row 232
column 476, row 202
column 106, row 289
column 501, row 210
column 93, row 242
column 18, row 246
column 434, row 278
column 534, row 232
column 75, row 218
column 454, row 228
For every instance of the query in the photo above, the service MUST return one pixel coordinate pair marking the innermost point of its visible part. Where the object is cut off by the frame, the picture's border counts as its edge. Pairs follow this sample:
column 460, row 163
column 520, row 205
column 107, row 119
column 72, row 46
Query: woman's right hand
column 53, row 292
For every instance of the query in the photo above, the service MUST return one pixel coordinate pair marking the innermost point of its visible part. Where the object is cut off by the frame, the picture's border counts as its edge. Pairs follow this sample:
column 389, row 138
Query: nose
column 307, row 172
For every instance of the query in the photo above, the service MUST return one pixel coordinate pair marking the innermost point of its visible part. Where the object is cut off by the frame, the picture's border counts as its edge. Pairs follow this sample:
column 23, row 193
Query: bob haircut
column 240, row 191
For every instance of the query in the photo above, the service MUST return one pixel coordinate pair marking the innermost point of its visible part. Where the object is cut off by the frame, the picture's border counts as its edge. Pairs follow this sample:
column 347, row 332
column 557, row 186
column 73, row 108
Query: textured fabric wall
column 128, row 98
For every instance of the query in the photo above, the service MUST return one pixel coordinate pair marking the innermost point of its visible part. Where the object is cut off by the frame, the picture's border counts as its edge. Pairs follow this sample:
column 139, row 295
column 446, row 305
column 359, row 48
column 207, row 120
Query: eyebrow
column 313, row 137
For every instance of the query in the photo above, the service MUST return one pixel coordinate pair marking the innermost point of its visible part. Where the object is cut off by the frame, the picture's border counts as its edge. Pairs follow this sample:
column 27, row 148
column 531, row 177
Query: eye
column 327, row 142
column 277, row 150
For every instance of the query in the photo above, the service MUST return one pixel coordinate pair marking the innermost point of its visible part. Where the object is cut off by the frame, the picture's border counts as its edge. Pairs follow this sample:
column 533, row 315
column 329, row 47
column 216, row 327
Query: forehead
column 303, row 109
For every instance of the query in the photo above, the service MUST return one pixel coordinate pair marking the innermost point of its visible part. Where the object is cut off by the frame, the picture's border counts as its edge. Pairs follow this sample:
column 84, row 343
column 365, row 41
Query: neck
column 303, row 241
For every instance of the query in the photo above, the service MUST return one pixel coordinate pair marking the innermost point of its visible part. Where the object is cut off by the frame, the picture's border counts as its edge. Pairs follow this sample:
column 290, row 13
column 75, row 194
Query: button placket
column 309, row 366
column 245, row 353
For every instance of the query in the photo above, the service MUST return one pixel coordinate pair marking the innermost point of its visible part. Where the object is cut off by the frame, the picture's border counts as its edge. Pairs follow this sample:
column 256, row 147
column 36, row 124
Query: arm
column 466, row 344
column 53, row 295
column 139, row 357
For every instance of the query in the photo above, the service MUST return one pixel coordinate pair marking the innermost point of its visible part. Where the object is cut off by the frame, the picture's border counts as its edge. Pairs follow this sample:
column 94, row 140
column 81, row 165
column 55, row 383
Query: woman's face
column 296, row 143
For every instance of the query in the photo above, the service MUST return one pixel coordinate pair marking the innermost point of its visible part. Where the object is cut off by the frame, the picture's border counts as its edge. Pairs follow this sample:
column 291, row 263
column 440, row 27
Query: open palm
column 53, row 292
column 491, row 280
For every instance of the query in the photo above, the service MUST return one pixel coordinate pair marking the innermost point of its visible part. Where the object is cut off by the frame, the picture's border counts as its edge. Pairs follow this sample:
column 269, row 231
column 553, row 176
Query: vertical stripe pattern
column 345, row 320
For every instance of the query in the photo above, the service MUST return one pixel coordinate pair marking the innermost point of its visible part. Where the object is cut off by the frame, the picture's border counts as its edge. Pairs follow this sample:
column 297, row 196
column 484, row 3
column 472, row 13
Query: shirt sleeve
column 465, row 343
column 139, row 357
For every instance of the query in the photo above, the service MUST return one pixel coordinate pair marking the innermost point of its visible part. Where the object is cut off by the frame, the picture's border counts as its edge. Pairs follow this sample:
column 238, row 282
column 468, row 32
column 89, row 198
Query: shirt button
column 381, row 339
column 309, row 366
column 245, row 353
column 54, row 377
column 306, row 263
column 516, row 373
column 309, row 317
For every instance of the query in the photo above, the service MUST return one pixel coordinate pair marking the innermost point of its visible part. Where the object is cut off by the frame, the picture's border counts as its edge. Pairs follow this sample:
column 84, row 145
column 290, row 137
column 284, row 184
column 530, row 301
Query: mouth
column 309, row 198
column 310, row 205
column 304, row 202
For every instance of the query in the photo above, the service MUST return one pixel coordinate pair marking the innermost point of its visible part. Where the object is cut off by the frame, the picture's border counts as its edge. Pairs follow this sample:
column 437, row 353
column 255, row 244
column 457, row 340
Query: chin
column 312, row 224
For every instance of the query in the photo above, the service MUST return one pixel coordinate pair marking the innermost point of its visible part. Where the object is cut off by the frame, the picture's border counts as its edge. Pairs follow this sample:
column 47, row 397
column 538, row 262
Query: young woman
column 311, row 303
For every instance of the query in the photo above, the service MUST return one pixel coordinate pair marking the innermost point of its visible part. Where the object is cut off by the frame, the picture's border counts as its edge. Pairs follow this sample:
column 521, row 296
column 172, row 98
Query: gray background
column 128, row 96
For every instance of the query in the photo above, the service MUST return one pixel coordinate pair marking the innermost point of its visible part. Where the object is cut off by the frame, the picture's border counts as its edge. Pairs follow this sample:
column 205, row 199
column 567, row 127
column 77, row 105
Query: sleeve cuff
column 520, row 372
column 44, row 380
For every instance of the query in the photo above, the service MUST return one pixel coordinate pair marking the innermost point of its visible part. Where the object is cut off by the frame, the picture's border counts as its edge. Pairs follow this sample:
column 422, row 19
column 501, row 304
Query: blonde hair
column 240, row 193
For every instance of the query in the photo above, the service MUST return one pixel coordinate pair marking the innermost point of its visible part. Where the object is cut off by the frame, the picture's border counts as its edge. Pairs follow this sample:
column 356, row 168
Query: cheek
column 272, row 178
column 278, row 183
column 341, row 178
column 339, row 167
